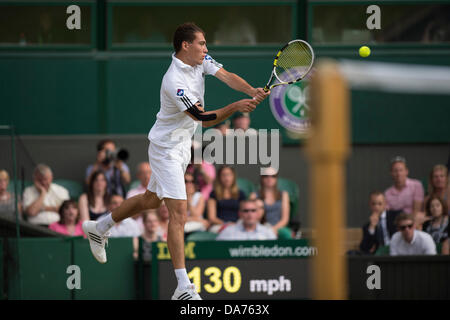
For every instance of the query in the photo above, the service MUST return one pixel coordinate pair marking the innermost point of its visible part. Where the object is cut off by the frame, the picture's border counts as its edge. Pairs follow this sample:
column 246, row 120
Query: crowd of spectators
column 403, row 219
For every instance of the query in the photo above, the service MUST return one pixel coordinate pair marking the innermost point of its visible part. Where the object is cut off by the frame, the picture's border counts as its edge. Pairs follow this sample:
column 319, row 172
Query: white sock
column 105, row 223
column 183, row 279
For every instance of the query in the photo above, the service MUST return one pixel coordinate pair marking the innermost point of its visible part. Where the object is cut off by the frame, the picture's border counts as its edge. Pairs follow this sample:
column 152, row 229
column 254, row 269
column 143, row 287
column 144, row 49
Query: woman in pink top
column 70, row 222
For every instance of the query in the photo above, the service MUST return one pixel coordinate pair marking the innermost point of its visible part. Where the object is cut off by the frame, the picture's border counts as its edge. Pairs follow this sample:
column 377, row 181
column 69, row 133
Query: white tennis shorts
column 168, row 168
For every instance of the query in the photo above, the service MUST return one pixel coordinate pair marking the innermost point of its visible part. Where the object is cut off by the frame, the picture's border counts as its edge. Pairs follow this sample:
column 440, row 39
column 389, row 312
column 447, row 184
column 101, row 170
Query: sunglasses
column 188, row 181
column 270, row 176
column 249, row 210
column 409, row 226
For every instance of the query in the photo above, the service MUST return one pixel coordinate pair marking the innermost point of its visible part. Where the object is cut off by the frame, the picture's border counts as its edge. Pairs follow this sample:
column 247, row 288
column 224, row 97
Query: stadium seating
column 26, row 184
column 75, row 188
column 293, row 190
column 201, row 236
column 246, row 186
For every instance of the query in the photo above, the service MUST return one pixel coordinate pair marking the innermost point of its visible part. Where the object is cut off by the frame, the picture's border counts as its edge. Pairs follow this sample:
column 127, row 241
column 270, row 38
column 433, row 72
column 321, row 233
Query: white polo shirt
column 182, row 86
column 421, row 244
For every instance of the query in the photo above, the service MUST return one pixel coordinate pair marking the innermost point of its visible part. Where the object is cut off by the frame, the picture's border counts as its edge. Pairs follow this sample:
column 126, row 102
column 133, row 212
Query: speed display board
column 238, row 269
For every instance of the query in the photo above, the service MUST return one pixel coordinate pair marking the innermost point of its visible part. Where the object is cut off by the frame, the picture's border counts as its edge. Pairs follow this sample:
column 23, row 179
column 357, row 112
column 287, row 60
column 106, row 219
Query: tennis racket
column 291, row 64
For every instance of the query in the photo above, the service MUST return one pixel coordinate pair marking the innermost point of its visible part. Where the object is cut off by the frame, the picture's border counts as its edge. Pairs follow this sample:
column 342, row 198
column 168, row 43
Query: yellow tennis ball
column 364, row 51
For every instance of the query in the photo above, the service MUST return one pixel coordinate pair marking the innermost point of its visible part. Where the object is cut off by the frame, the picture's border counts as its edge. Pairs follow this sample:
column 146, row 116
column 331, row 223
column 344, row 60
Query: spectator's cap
column 398, row 159
column 239, row 114
column 269, row 171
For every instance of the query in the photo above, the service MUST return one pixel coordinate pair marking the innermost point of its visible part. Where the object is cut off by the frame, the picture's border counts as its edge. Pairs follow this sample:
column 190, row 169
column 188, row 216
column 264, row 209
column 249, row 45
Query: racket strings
column 294, row 61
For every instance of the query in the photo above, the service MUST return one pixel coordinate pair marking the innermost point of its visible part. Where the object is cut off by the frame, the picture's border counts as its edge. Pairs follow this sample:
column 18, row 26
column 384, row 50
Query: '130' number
column 217, row 280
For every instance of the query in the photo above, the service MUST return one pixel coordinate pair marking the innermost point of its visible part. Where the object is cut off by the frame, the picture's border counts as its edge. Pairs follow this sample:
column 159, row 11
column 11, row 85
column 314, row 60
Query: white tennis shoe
column 189, row 293
column 97, row 241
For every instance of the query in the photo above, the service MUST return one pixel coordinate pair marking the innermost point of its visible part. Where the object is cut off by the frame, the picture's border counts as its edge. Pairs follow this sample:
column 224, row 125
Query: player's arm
column 211, row 118
column 237, row 83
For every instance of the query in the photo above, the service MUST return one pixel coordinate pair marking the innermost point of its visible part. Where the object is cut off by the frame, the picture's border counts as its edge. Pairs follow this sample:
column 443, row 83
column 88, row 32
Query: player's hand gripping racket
column 292, row 64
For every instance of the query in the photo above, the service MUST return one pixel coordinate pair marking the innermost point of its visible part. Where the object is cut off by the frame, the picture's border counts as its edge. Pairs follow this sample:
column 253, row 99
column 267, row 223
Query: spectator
column 408, row 241
column 380, row 228
column 151, row 234
column 438, row 184
column 204, row 173
column 195, row 207
column 144, row 171
column 406, row 194
column 125, row 228
column 7, row 206
column 437, row 225
column 94, row 203
column 69, row 223
column 242, row 121
column 249, row 227
column 116, row 171
column 163, row 215
column 276, row 203
column 223, row 127
column 223, row 203
column 42, row 200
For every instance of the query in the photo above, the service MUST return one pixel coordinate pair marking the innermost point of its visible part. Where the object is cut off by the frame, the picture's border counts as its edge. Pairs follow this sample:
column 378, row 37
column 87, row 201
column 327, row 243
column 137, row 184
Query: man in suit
column 380, row 228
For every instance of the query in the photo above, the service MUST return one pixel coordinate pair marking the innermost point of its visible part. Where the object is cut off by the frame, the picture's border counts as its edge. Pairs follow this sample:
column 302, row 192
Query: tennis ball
column 364, row 51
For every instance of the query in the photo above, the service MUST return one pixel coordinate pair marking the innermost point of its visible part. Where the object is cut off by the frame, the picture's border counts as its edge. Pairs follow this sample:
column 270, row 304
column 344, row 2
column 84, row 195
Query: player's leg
column 96, row 231
column 175, row 243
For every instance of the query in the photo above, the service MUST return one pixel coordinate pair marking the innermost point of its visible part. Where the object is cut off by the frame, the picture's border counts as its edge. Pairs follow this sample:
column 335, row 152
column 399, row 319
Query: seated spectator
column 438, row 184
column 69, row 223
column 195, row 207
column 408, row 240
column 437, row 225
column 42, row 200
column 94, row 203
column 116, row 171
column 144, row 171
column 406, row 194
column 163, row 215
column 223, row 203
column 276, row 203
column 7, row 205
column 223, row 127
column 125, row 228
column 249, row 226
column 143, row 244
column 204, row 173
column 241, row 120
column 380, row 228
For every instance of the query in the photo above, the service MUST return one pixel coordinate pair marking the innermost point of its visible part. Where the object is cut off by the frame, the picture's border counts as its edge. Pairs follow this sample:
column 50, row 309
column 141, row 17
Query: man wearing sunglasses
column 408, row 240
column 249, row 226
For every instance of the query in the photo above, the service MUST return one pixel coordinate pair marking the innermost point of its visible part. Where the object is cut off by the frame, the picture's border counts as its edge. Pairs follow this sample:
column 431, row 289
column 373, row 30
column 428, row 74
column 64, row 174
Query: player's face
column 197, row 50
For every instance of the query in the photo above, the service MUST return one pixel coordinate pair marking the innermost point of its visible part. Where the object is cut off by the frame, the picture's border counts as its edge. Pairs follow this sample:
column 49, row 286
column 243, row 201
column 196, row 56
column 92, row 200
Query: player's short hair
column 185, row 32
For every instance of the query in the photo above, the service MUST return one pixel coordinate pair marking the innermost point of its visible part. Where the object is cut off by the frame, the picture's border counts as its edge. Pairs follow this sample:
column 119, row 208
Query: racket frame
column 274, row 73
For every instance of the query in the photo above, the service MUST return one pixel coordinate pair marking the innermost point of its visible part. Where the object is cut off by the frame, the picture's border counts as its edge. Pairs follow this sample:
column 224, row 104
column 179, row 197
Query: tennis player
column 182, row 108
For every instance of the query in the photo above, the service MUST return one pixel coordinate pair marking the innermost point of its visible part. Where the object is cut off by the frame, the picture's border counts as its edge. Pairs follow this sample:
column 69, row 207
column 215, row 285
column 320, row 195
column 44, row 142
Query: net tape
column 394, row 77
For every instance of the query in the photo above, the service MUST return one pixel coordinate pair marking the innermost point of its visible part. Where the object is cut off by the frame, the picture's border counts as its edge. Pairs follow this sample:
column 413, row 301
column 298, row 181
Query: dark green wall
column 118, row 93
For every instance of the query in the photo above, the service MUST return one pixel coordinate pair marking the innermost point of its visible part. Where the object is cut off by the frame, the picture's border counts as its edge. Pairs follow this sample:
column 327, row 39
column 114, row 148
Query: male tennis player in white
column 182, row 107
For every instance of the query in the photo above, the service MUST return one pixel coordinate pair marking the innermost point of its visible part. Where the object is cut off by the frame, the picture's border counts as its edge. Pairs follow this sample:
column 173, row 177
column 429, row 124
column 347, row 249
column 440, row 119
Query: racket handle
column 266, row 88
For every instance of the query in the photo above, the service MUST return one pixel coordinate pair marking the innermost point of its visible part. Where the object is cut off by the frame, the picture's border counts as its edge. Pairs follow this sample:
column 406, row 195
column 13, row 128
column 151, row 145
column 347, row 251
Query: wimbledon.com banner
column 275, row 249
column 264, row 251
